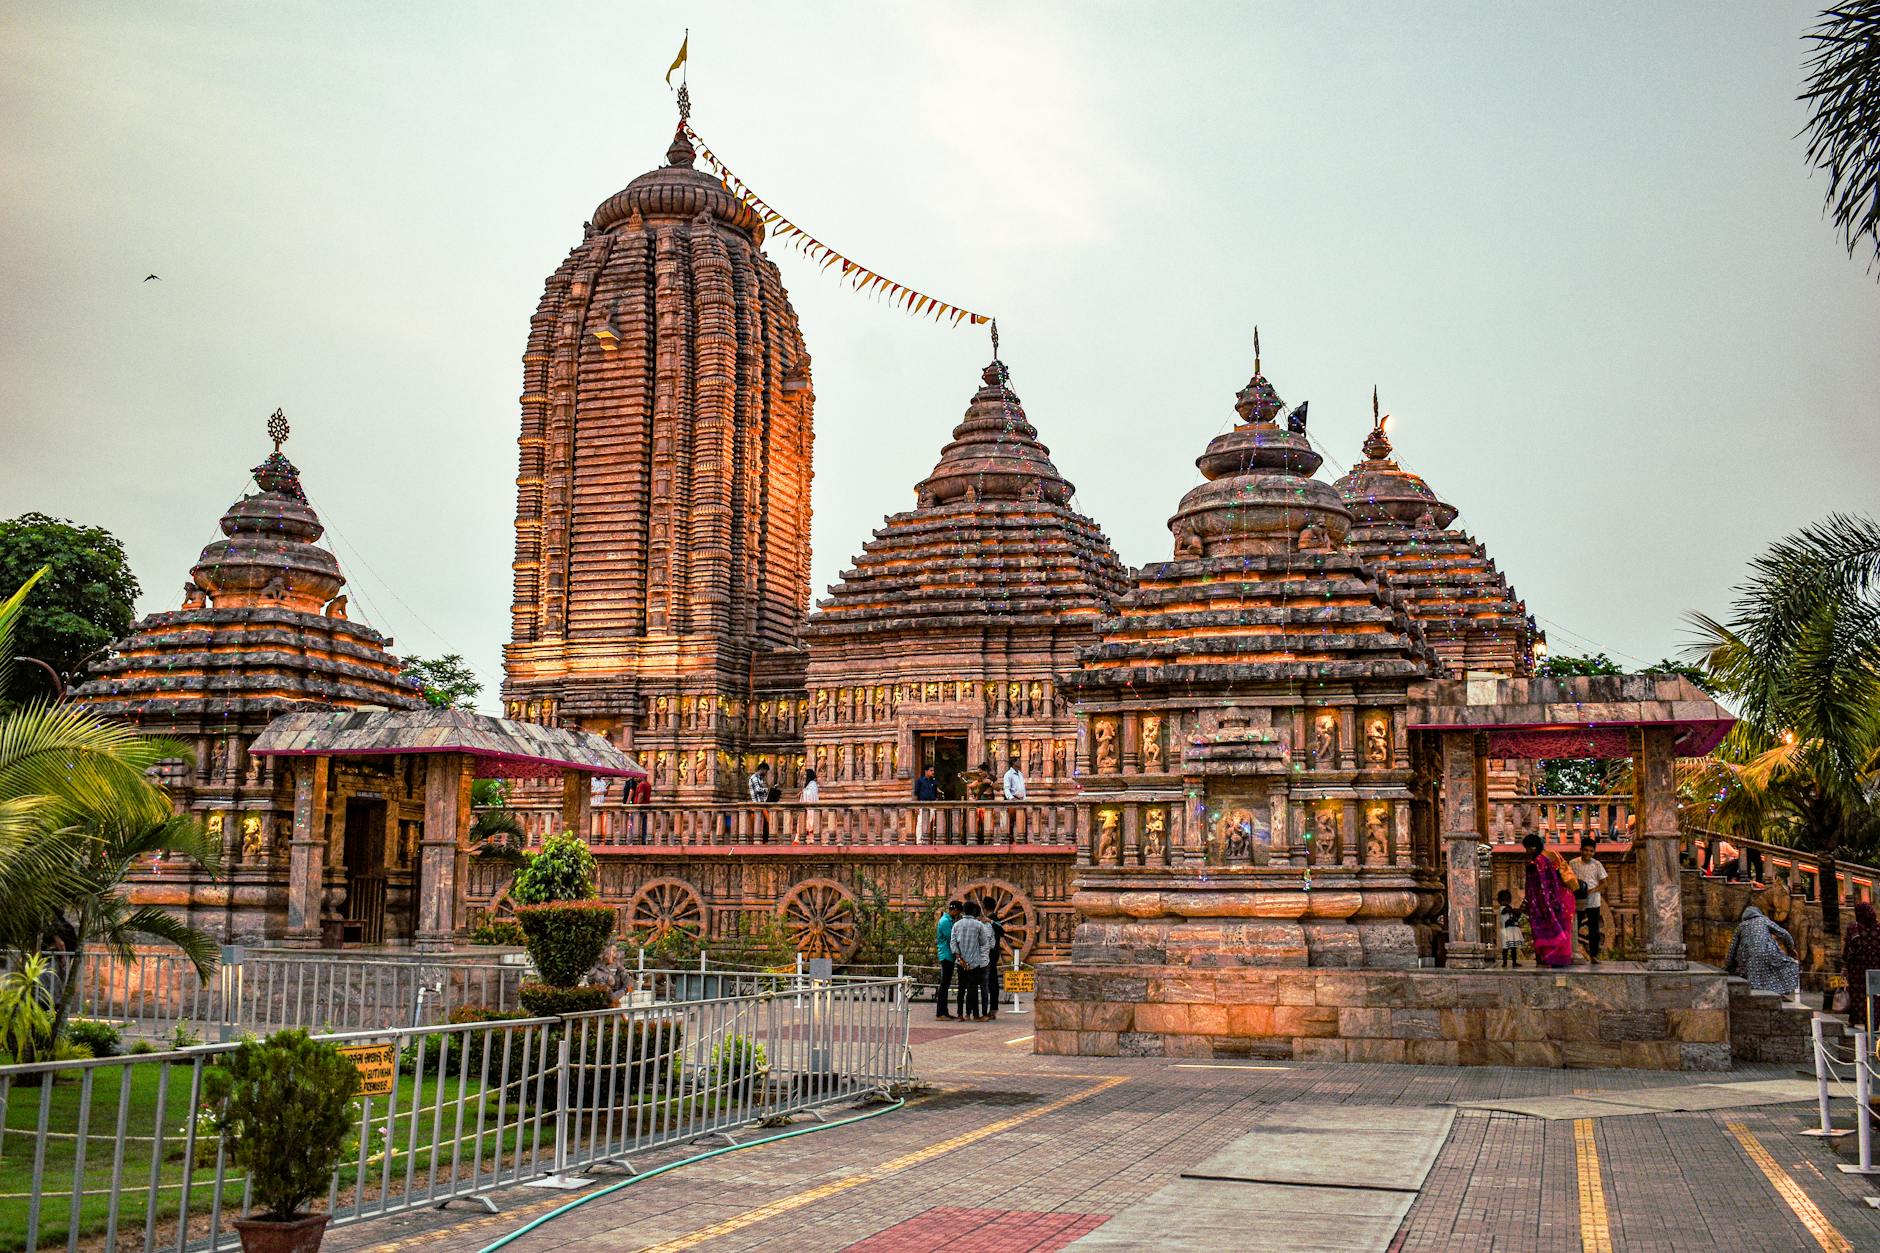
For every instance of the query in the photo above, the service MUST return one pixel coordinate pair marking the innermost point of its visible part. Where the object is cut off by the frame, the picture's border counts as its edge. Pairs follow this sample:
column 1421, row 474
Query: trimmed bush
column 735, row 1057
column 566, row 938
column 496, row 931
column 284, row 1107
column 562, row 871
column 103, row 1039
column 544, row 1000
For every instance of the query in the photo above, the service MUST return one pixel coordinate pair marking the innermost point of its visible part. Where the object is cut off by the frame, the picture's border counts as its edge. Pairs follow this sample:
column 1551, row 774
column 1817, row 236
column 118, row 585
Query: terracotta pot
column 297, row 1235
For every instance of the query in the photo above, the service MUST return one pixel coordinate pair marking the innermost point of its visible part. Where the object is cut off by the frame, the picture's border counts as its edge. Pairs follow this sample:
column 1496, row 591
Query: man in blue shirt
column 943, row 944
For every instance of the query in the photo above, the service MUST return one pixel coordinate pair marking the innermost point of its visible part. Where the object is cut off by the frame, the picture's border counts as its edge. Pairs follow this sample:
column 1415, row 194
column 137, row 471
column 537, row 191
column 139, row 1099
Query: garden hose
column 610, row 1189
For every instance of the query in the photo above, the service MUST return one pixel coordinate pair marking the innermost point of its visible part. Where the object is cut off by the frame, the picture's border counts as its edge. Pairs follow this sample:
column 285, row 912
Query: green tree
column 1578, row 776
column 85, row 599
column 446, row 682
column 1800, row 662
column 76, row 810
column 1843, row 98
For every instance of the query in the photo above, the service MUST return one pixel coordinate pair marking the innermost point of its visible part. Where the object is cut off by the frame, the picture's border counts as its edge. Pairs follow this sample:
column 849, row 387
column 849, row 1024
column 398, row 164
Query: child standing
column 1510, row 928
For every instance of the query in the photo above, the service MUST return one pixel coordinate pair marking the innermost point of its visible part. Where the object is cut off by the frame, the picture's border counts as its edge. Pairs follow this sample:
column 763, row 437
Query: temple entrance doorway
column 947, row 755
column 364, row 852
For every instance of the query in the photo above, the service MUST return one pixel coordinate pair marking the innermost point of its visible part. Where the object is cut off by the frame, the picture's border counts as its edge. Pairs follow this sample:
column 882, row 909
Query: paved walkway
column 1007, row 1151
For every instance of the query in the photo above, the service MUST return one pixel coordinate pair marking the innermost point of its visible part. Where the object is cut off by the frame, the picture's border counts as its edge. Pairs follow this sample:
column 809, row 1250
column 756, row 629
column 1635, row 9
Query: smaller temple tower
column 943, row 645
column 1247, row 777
column 262, row 631
column 1449, row 583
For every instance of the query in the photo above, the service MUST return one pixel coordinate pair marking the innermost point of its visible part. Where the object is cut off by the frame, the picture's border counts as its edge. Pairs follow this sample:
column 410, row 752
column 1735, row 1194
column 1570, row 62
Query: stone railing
column 1562, row 819
column 904, row 825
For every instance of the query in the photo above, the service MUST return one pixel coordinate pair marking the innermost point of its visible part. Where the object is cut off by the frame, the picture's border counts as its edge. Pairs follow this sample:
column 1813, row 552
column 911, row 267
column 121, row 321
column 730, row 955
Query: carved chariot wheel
column 819, row 917
column 1010, row 906
column 664, row 906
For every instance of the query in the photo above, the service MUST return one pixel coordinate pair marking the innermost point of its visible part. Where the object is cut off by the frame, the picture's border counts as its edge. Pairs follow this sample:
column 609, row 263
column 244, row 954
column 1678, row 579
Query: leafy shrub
column 68, row 1050
column 735, row 1058
column 544, row 1000
column 103, row 1039
column 284, row 1107
column 491, row 930
column 562, row 871
column 566, row 938
column 500, row 836
column 140, row 1047
column 26, row 1009
column 466, row 1048
column 182, row 1036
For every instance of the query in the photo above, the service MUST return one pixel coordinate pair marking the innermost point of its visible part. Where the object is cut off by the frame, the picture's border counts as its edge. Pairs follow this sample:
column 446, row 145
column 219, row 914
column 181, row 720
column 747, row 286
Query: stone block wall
column 1577, row 1018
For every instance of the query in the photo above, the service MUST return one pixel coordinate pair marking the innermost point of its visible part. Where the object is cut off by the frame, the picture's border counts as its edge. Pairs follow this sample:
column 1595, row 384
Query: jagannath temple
column 1262, row 773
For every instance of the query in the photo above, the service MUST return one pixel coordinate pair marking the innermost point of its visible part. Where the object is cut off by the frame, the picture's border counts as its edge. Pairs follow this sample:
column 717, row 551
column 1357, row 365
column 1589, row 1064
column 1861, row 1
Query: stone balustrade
column 1562, row 819
column 906, row 825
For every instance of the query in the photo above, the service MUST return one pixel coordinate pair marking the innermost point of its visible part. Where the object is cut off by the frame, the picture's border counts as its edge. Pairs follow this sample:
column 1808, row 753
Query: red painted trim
column 481, row 754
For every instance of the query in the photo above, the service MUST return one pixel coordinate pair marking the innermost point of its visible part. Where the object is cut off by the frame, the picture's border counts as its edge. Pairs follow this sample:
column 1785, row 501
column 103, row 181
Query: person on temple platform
column 943, row 948
column 811, row 795
column 926, row 791
column 1761, row 952
column 1014, row 780
column 1510, row 928
column 1588, row 869
column 759, row 785
column 1549, row 903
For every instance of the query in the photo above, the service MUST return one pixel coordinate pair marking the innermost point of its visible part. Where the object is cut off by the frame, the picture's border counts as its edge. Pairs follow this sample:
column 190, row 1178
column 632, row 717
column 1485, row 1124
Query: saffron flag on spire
column 678, row 60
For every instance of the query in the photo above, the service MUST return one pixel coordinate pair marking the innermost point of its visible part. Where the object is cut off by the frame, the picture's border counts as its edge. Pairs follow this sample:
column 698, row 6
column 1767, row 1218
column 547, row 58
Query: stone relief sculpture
column 1105, row 731
column 1152, row 744
column 1377, row 741
column 1109, row 837
column 1377, row 835
column 1325, row 739
column 1154, row 834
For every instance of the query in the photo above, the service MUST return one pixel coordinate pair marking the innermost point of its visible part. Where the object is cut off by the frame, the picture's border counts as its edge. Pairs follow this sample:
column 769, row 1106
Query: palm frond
column 1843, row 129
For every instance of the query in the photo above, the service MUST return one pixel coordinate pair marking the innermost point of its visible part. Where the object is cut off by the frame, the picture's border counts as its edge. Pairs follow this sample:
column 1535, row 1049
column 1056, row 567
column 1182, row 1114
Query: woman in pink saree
column 1549, row 903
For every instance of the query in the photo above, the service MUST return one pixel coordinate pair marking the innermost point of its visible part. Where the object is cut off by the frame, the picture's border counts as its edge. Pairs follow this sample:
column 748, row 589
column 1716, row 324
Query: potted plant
column 284, row 1109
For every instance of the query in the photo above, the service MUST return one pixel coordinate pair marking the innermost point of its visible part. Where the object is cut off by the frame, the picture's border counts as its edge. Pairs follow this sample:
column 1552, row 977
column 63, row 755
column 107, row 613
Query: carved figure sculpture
column 1314, row 538
column 194, row 597
column 1152, row 744
column 1154, row 834
column 1377, row 835
column 1109, row 836
column 336, row 608
column 1377, row 741
column 1325, row 739
column 1330, row 834
column 1105, row 731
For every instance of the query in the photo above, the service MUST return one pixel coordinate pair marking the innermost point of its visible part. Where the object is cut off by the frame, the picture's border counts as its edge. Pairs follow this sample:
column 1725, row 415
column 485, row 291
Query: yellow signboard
column 376, row 1064
column 1019, row 980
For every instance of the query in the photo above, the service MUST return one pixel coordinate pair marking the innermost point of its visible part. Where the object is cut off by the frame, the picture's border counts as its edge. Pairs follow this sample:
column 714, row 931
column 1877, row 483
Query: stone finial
column 680, row 153
column 1258, row 402
column 277, row 474
column 277, row 429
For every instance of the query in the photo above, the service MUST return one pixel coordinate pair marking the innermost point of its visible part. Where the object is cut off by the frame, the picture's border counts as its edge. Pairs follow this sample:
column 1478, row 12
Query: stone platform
column 1617, row 1015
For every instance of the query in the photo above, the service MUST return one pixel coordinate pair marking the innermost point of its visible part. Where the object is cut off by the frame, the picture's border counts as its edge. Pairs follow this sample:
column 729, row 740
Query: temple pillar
column 447, row 778
column 1461, row 828
column 306, row 864
column 577, row 804
column 1661, row 900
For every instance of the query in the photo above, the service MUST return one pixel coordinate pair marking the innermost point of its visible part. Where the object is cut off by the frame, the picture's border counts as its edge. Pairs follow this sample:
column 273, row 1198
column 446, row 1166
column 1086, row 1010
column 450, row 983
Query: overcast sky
column 1575, row 245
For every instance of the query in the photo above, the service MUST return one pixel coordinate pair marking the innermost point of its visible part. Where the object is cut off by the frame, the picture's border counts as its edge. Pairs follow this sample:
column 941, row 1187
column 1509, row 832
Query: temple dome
column 268, row 555
column 995, row 453
column 1378, row 490
column 1260, row 497
column 676, row 190
column 1445, row 578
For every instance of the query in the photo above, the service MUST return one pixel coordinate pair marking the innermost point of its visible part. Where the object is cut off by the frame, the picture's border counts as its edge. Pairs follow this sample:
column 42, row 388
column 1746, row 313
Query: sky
column 1577, row 248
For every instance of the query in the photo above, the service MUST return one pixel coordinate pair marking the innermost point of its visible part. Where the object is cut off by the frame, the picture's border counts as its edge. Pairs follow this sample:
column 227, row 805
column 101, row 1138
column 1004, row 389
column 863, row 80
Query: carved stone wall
column 663, row 498
column 958, row 617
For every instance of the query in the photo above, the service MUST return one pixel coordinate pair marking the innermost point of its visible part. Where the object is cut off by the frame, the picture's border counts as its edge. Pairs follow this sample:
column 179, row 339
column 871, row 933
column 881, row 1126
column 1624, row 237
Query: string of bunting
column 858, row 276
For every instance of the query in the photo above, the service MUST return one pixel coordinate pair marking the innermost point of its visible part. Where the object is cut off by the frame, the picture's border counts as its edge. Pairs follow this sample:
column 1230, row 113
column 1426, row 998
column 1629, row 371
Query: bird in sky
column 148, row 277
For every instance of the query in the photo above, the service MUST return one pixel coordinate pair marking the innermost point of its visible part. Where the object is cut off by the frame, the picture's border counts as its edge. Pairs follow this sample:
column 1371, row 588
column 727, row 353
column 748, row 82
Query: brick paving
column 1006, row 1136
column 981, row 1231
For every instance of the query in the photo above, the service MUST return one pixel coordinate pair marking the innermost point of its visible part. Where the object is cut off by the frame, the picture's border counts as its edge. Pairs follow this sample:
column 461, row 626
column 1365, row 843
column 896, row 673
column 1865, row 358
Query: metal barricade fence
column 122, row 1153
column 264, row 990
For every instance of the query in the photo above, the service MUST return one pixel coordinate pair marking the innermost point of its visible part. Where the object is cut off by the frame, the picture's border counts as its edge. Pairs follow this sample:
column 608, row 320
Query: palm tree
column 1844, row 123
column 76, row 810
column 1800, row 661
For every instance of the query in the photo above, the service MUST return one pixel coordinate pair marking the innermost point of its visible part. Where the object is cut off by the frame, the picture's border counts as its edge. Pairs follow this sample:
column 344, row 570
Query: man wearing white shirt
column 1014, row 781
column 1591, row 873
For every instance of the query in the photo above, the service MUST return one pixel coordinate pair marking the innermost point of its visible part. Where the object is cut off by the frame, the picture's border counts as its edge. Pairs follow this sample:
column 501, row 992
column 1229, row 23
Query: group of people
column 1011, row 783
column 1563, row 899
column 970, row 943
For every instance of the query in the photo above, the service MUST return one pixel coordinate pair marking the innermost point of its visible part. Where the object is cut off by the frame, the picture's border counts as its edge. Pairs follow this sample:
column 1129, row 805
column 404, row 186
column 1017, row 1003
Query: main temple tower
column 663, row 507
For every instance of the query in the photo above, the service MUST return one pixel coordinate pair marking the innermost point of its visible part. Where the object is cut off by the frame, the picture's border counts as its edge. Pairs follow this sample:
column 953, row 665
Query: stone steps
column 1768, row 1027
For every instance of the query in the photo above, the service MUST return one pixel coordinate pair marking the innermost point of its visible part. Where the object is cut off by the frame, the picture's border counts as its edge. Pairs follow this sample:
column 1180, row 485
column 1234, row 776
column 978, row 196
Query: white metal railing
column 124, row 1151
column 154, row 993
